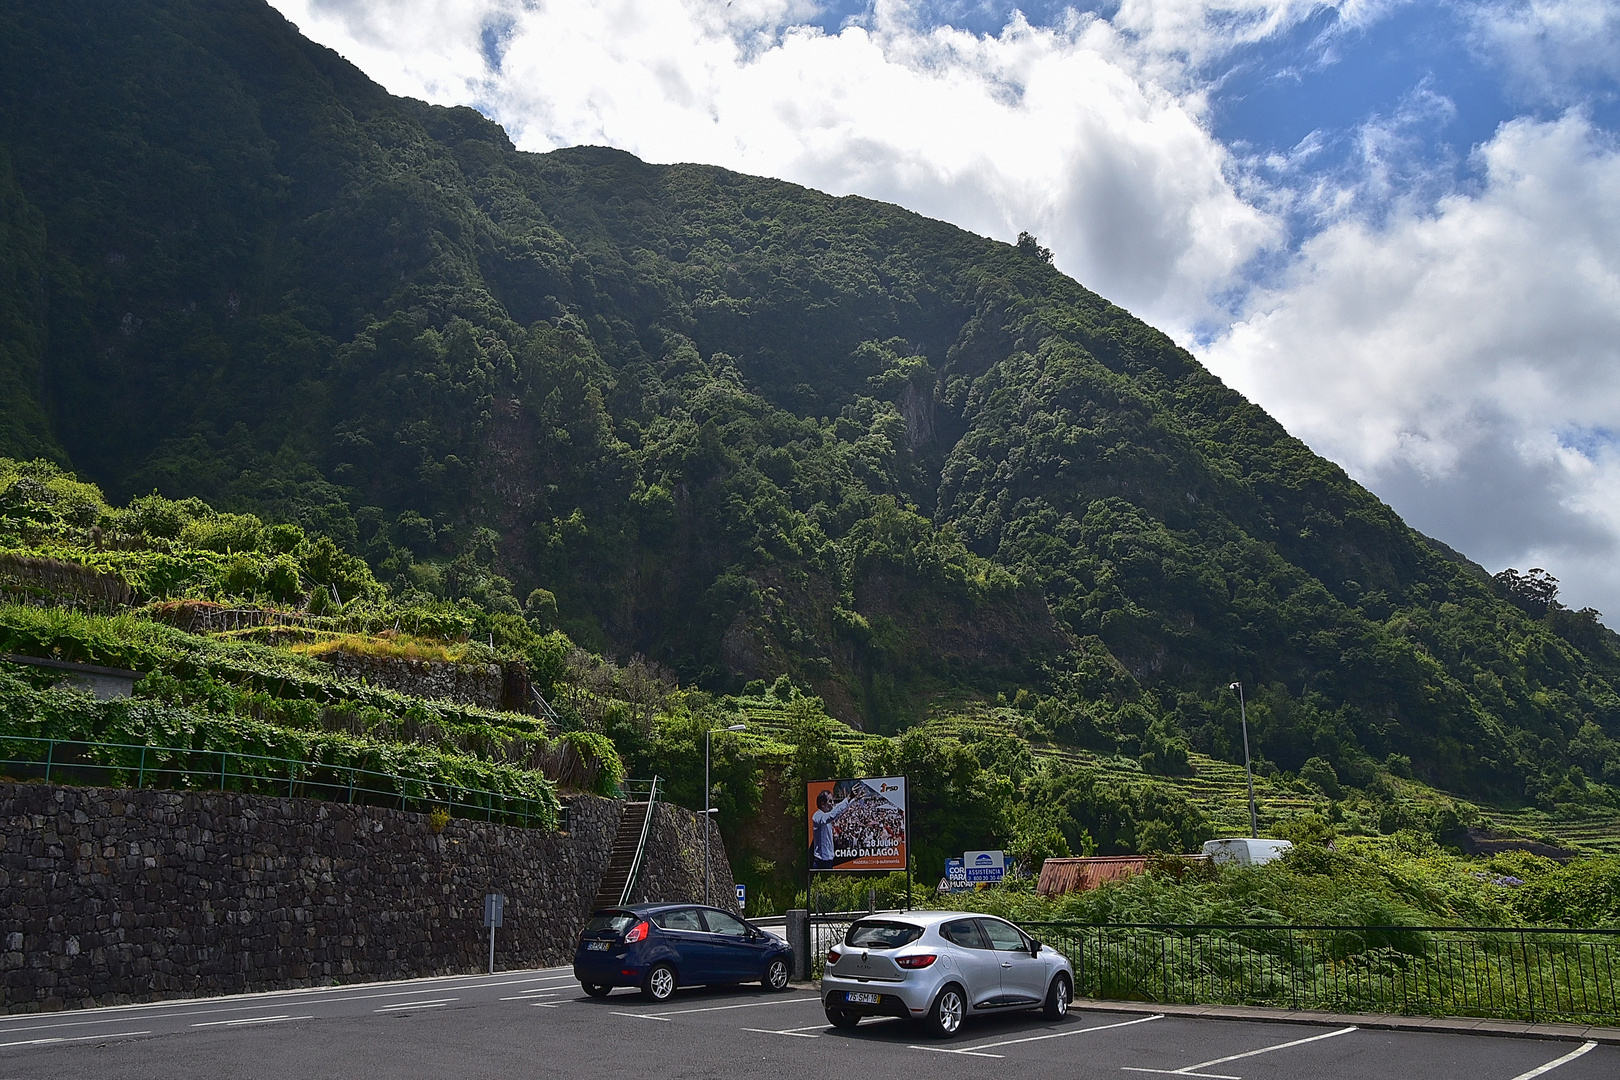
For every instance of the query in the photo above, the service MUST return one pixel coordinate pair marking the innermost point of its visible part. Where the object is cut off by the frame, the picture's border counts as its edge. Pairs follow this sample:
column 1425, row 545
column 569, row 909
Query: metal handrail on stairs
column 641, row 845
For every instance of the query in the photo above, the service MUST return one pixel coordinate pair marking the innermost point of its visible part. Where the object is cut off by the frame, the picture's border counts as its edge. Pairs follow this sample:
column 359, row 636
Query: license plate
column 596, row 946
column 864, row 999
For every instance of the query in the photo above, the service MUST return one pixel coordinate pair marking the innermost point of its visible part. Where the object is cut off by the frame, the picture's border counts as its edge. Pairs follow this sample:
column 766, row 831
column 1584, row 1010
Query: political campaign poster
column 858, row 824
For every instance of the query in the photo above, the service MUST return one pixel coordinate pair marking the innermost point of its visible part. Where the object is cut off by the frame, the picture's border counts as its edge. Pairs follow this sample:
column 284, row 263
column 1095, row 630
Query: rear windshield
column 616, row 921
column 882, row 935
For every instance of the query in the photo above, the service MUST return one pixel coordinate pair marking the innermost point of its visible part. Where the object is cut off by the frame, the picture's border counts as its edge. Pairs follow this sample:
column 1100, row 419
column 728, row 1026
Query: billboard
column 858, row 824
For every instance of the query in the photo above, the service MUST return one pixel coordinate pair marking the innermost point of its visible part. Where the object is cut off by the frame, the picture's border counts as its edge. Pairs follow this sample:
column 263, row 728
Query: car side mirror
column 1034, row 947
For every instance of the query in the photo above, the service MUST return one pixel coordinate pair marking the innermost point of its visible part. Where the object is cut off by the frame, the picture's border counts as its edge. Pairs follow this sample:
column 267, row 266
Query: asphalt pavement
column 538, row 1024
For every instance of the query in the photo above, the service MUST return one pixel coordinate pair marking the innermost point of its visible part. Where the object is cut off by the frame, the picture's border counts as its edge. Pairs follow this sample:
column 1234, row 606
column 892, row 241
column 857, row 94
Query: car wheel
column 597, row 989
column 776, row 975
column 660, row 984
column 838, row 1018
column 1057, row 998
column 945, row 1018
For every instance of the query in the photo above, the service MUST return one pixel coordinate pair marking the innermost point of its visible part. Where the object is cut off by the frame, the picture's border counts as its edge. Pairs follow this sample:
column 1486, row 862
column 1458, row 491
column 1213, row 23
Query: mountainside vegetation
column 356, row 356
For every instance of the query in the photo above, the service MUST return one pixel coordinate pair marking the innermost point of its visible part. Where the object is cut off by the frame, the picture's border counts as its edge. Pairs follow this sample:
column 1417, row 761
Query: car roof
column 654, row 908
column 925, row 918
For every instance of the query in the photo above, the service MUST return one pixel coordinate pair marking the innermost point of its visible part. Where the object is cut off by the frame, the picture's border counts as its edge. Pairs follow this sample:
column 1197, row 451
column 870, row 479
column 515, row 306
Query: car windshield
column 881, row 935
column 616, row 921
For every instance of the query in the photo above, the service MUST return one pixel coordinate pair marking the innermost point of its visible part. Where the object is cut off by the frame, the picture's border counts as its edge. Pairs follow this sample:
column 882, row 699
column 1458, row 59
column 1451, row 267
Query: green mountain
column 742, row 428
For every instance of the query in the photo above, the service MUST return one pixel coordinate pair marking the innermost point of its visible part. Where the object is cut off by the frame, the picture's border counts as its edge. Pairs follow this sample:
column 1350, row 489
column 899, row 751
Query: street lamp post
column 707, row 812
column 1248, row 772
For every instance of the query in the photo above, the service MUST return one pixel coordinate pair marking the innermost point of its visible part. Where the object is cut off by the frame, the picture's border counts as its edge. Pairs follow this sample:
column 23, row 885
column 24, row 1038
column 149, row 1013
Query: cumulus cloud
column 1464, row 360
column 1552, row 49
column 1056, row 130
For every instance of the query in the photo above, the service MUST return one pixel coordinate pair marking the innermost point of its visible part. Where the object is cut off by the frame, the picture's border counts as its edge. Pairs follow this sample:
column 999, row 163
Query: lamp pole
column 1248, row 772
column 707, row 812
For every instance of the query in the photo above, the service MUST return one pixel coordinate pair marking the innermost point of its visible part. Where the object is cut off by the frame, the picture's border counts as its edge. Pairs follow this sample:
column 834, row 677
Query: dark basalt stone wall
column 110, row 896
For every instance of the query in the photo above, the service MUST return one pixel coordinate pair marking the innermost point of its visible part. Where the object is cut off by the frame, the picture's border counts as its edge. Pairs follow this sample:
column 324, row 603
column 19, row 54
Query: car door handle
column 1006, row 963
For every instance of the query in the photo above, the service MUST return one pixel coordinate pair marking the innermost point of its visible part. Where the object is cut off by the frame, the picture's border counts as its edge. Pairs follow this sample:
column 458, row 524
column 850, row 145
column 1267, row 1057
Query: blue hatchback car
column 658, row 947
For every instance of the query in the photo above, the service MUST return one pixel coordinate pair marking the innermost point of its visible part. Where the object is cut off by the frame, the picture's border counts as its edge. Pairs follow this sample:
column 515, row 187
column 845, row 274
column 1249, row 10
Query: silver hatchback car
column 940, row 967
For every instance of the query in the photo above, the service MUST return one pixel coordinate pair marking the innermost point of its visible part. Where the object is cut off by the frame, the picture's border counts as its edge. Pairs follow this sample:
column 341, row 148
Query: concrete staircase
column 622, row 862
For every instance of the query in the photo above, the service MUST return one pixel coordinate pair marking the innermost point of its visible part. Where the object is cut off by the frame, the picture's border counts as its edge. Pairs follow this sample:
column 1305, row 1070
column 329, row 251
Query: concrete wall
column 110, row 896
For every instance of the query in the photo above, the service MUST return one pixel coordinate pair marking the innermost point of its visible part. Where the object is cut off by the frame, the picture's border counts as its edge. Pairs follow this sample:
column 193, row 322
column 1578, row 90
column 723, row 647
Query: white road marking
column 1192, row 1070
column 978, row 1051
column 1555, row 1062
column 543, row 1005
column 347, row 993
column 526, row 997
column 722, row 1008
column 799, row 1034
column 435, row 1003
column 645, row 1016
column 244, row 1021
column 79, row 1038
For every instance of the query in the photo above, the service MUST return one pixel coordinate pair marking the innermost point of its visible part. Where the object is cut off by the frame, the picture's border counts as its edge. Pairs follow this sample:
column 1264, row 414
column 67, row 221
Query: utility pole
column 707, row 812
column 1248, row 771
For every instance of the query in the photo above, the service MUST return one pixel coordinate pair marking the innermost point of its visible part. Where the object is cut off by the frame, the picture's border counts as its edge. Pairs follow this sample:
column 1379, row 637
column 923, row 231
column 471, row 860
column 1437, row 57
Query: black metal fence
column 1527, row 973
column 1530, row 974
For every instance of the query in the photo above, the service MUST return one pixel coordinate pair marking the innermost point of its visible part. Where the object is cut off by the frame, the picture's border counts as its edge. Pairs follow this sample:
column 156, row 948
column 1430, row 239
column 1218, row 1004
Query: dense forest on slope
column 741, row 428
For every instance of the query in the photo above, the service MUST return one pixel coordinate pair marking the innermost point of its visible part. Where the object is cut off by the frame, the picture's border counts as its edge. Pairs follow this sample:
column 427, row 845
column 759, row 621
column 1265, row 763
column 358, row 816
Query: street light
column 707, row 818
column 1248, row 773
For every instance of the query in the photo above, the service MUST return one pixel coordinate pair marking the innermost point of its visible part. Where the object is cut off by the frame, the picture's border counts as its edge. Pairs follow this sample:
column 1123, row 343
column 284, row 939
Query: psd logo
column 884, row 789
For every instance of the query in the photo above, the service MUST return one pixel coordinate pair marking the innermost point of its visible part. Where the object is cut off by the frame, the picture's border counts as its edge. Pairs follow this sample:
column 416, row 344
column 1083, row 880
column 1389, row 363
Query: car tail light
column 833, row 955
column 921, row 960
column 637, row 933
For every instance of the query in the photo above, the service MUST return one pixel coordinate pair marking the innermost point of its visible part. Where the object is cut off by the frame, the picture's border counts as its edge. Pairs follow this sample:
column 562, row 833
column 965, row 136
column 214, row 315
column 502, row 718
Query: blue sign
column 742, row 897
column 956, row 875
column 984, row 867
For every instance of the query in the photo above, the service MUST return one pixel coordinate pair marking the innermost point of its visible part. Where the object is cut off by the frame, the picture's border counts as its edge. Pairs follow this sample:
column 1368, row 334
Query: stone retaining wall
column 110, row 896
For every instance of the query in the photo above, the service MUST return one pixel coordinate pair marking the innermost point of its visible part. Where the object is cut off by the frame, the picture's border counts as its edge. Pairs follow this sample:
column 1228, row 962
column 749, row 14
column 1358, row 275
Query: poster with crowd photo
column 858, row 824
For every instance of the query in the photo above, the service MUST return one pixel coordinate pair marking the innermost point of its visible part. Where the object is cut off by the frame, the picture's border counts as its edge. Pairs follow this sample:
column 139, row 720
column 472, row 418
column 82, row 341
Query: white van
column 1246, row 851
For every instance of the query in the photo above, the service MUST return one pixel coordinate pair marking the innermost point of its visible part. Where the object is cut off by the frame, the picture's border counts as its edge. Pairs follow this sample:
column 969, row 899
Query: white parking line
column 525, row 996
column 78, row 1038
column 722, row 1008
column 246, row 1020
column 1192, row 1070
column 1555, row 1062
column 795, row 1034
column 978, row 1051
column 435, row 1003
column 645, row 1016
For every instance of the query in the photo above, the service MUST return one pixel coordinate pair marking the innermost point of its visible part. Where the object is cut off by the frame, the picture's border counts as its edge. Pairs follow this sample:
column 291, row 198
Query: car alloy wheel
column 776, row 974
column 660, row 983
column 945, row 1018
column 597, row 989
column 1057, row 998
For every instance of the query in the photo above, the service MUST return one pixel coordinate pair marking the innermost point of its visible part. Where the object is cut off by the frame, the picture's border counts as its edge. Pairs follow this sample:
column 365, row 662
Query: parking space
column 525, row 1024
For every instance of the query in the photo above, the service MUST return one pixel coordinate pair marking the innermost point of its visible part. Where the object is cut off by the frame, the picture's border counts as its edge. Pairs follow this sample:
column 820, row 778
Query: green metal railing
column 1498, row 973
column 73, row 761
column 1519, row 973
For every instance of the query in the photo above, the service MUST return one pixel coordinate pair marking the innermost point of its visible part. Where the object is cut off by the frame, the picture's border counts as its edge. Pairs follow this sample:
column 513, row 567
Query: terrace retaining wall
column 110, row 896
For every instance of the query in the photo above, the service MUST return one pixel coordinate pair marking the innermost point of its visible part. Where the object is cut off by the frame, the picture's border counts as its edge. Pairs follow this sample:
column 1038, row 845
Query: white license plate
column 596, row 946
column 864, row 999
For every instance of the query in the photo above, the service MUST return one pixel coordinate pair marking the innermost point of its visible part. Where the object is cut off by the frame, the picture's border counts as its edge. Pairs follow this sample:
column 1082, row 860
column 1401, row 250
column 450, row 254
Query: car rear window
column 616, row 921
column 881, row 935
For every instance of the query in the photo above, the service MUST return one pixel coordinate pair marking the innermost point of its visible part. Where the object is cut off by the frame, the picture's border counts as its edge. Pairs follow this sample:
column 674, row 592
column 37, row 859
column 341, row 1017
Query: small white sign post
column 494, row 908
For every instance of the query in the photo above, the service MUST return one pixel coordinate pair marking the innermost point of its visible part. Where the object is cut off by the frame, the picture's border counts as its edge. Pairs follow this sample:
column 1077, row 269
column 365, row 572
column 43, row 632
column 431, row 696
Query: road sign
column 956, row 875
column 742, row 898
column 494, row 909
column 984, row 866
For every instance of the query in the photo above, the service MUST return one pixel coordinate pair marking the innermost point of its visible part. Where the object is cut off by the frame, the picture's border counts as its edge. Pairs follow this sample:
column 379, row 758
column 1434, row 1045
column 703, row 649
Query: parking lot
column 538, row 1023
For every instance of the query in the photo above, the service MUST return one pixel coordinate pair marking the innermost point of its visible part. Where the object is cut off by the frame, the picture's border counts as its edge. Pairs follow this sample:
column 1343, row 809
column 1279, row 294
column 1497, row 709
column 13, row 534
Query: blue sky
column 1395, row 225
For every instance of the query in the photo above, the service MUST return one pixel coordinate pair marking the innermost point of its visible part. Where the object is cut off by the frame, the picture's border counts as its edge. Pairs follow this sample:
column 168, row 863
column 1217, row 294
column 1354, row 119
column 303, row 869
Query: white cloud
column 1551, row 48
column 1465, row 361
column 1055, row 130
